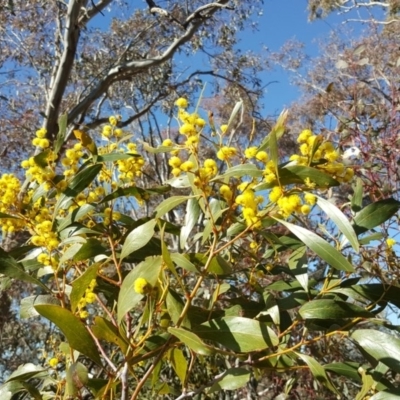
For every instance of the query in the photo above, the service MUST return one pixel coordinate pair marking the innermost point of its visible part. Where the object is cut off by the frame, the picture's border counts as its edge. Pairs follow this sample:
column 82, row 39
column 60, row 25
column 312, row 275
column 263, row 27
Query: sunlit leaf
column 72, row 328
column 318, row 372
column 340, row 220
column 62, row 130
column 320, row 246
column 379, row 345
column 179, row 363
column 233, row 378
column 191, row 217
column 238, row 334
column 169, row 204
column 138, row 238
column 375, row 214
column 80, row 285
column 128, row 298
column 192, row 341
column 332, row 309
column 105, row 330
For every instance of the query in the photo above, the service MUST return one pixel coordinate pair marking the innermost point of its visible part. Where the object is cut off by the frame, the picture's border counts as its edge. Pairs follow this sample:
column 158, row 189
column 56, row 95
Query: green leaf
column 179, row 363
column 332, row 309
column 238, row 334
column 62, row 130
column 233, row 379
column 192, row 341
column 320, row 246
column 273, row 149
column 4, row 215
column 80, row 285
column 41, row 158
column 356, row 200
column 28, row 371
column 75, row 216
column 135, row 192
column 116, row 156
column 379, row 345
column 128, row 298
column 386, row 395
column 9, row 267
column 347, row 369
column 76, row 378
column 90, row 249
column 105, row 330
column 240, row 170
column 375, row 214
column 279, row 129
column 318, row 372
column 169, row 204
column 72, row 328
column 138, row 238
column 8, row 390
column 77, row 185
column 191, row 217
column 175, row 307
column 340, row 220
column 27, row 305
column 181, row 260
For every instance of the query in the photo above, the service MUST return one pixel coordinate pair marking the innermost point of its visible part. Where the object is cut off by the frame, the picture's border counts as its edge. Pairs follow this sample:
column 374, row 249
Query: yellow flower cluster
column 48, row 260
column 322, row 155
column 38, row 174
column 204, row 174
column 390, row 242
column 44, row 236
column 88, row 298
column 225, row 153
column 141, row 286
column 9, row 189
column 130, row 168
column 249, row 202
column 72, row 159
column 40, row 139
column 190, row 124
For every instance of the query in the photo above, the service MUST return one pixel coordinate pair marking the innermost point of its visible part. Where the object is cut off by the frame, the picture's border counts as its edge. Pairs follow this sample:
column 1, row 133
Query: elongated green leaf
column 72, row 328
column 356, row 200
column 128, row 298
column 90, row 249
column 28, row 371
column 135, row 192
column 347, row 369
column 76, row 378
column 340, row 220
column 182, row 261
column 179, row 363
column 175, row 306
column 238, row 334
column 233, row 378
column 332, row 309
column 191, row 217
column 239, row 171
column 77, row 185
column 169, row 204
column 320, row 246
column 80, row 285
column 279, row 129
column 4, row 215
column 27, row 305
column 9, row 267
column 273, row 149
column 62, row 130
column 318, row 372
column 116, row 157
column 138, row 238
column 8, row 390
column 105, row 330
column 375, row 214
column 379, row 345
column 192, row 341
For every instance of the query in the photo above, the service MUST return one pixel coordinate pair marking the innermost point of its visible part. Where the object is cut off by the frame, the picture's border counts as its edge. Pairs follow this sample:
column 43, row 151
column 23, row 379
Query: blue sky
column 281, row 21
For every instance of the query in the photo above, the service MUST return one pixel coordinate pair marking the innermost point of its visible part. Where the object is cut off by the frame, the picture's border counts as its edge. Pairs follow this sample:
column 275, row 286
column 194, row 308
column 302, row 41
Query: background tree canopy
column 164, row 239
